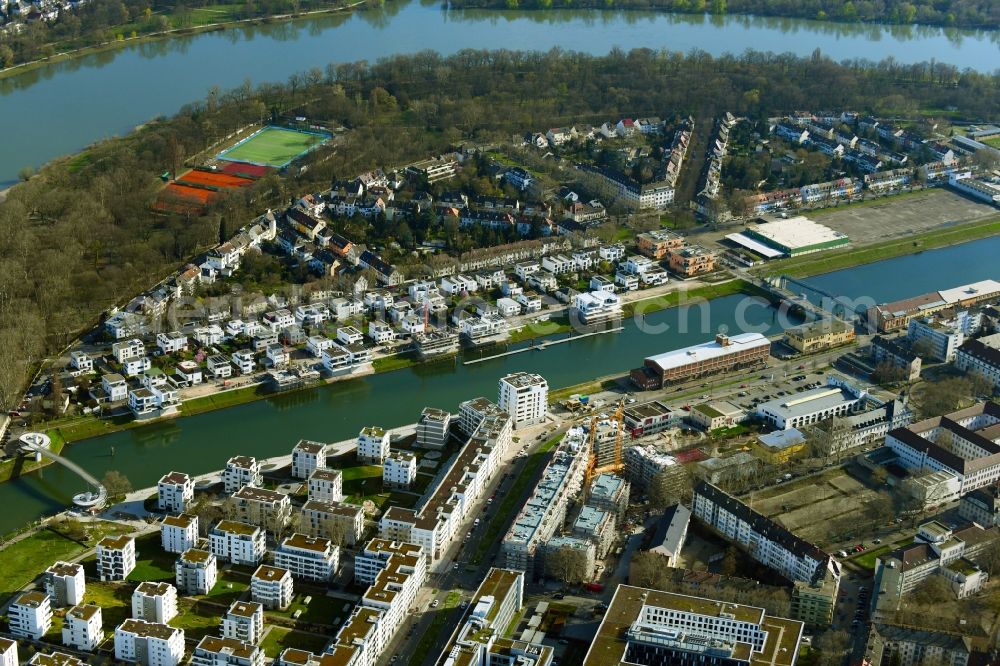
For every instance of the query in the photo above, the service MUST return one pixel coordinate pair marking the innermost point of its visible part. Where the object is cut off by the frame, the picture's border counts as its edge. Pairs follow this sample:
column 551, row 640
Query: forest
column 957, row 13
column 102, row 21
column 78, row 237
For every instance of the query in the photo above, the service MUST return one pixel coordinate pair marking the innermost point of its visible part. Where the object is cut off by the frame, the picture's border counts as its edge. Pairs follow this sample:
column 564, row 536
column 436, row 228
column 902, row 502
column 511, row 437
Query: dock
column 541, row 346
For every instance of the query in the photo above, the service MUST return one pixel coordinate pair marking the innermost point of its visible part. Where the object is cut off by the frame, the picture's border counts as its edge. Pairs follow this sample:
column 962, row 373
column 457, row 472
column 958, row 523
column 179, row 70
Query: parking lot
column 897, row 217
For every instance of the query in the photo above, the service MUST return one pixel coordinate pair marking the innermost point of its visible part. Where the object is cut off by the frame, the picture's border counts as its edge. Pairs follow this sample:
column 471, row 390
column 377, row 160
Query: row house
column 884, row 181
column 454, row 285
column 385, row 273
column 558, row 264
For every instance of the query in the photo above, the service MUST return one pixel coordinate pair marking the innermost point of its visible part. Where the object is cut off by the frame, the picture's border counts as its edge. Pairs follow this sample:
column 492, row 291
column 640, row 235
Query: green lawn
column 420, row 653
column 867, row 558
column 207, row 15
column 115, row 600
column 390, row 363
column 321, row 609
column 993, row 141
column 197, row 618
column 229, row 588
column 676, row 298
column 273, row 146
column 22, row 562
column 362, row 480
column 151, row 561
column 279, row 638
column 222, row 400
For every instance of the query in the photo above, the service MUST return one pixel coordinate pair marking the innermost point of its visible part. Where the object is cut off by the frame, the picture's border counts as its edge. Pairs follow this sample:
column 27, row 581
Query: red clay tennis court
column 222, row 181
column 691, row 455
column 243, row 169
column 183, row 199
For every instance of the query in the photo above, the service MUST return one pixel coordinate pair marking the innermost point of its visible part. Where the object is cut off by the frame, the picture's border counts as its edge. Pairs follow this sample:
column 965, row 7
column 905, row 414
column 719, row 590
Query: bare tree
column 567, row 564
column 116, row 483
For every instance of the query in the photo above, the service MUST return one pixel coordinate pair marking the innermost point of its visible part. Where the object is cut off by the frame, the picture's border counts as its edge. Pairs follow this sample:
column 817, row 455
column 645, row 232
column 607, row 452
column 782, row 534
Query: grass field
column 272, row 146
column 993, row 141
column 278, row 638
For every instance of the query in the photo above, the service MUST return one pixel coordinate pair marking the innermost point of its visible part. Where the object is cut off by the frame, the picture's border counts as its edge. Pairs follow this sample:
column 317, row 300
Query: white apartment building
column 65, row 584
column 595, row 307
column 373, row 445
column 544, row 514
column 115, row 557
column 196, row 571
column 244, row 621
column 172, row 342
column 326, row 485
column 179, row 533
column 115, row 387
column 30, row 615
column 149, row 643
column 525, row 396
column 245, row 361
column 218, row 366
column 766, row 541
column 84, row 363
column 433, row 428
column 321, row 518
column 307, row 457
column 982, row 357
column 397, row 572
column 174, row 491
column 128, row 350
column 271, row 587
column 259, row 506
column 965, row 443
column 241, row 471
column 8, row 652
column 439, row 520
column 308, row 558
column 348, row 335
column 939, row 337
column 154, row 602
column 83, row 627
column 399, row 470
column 236, row 542
column 215, row 651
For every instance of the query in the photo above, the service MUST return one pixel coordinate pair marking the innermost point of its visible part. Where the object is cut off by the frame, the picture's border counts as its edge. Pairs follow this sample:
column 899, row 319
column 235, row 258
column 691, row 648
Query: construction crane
column 616, row 466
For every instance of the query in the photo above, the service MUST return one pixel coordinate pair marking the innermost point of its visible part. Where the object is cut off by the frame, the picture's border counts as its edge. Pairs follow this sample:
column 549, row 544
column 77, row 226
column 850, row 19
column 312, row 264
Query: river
column 60, row 108
column 338, row 411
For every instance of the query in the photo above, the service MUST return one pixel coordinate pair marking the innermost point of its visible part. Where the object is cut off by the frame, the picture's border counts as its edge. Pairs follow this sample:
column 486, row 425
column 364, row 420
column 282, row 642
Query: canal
column 336, row 412
column 113, row 91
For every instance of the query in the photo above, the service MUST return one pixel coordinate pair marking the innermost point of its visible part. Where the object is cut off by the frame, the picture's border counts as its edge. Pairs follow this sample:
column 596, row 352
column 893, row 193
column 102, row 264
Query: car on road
column 435, row 603
column 558, row 596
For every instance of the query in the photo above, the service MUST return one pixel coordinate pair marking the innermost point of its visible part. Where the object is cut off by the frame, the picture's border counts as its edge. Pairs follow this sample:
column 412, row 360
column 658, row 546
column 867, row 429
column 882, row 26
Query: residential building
column 214, row 651
column 307, row 457
column 433, row 428
column 115, row 557
column 154, row 602
column 399, row 470
column 939, row 337
column 174, row 491
column 649, row 418
column 65, row 584
column 196, row 571
column 937, row 549
column 82, row 362
column 373, row 445
column 981, row 506
column 644, row 465
column 437, row 521
column 343, row 523
column 397, row 572
column 691, row 261
column 903, row 361
column 525, row 396
column 128, row 350
column 115, row 387
column 271, row 587
column 179, row 533
column 326, row 485
column 912, row 646
column 814, row 602
column 964, row 443
column 244, row 621
column 8, row 652
column 596, row 307
column 149, row 643
column 481, row 637
column 543, row 515
column 818, row 335
column 236, row 542
column 779, row 447
column 724, row 354
column 266, row 508
column 83, row 627
column 671, row 533
column 611, row 493
column 658, row 244
column 245, row 361
column 764, row 540
column 30, row 615
column 649, row 627
column 598, row 527
column 218, row 366
column 241, row 471
column 981, row 357
column 308, row 558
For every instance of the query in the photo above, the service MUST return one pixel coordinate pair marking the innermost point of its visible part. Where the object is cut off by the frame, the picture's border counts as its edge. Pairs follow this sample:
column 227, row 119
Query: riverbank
column 63, row 56
column 849, row 257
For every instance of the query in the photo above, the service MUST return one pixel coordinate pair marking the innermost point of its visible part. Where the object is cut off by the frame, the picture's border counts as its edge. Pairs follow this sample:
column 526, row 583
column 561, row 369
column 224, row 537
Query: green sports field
column 272, row 146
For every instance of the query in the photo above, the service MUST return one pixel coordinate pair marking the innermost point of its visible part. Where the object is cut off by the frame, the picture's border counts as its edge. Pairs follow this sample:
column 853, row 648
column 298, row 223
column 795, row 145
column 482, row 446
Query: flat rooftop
column 808, row 402
column 796, row 232
column 708, row 350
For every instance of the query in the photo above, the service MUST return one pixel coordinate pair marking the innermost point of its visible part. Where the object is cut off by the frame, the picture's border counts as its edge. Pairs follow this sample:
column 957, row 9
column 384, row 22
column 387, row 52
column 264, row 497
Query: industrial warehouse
column 788, row 237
